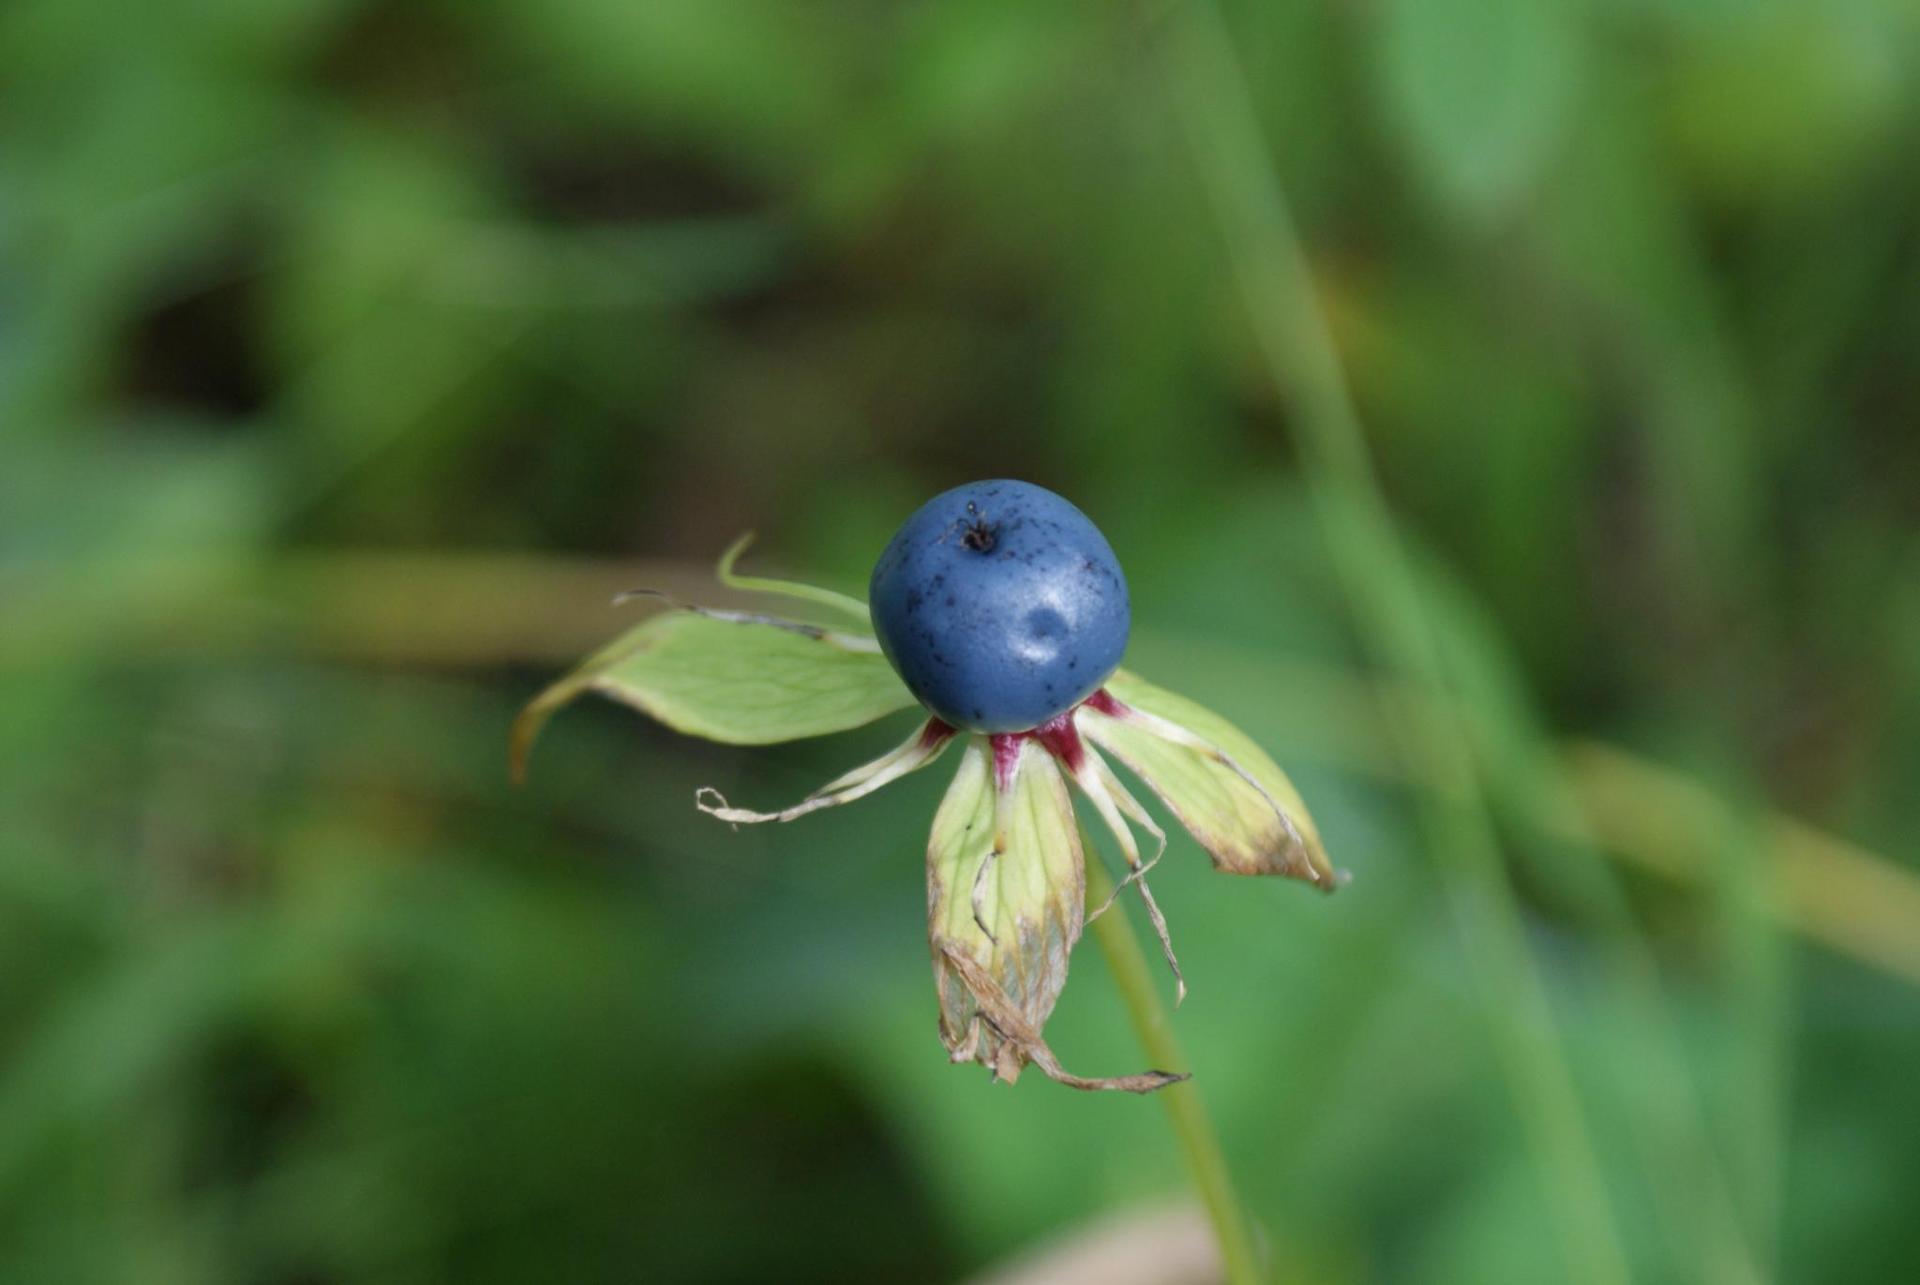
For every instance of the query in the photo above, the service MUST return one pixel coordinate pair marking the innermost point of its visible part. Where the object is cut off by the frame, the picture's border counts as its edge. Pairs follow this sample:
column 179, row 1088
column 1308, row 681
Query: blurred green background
column 354, row 352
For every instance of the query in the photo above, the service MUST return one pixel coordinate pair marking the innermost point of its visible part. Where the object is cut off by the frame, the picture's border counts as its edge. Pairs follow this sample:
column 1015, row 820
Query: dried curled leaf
column 731, row 677
column 1006, row 892
column 1224, row 789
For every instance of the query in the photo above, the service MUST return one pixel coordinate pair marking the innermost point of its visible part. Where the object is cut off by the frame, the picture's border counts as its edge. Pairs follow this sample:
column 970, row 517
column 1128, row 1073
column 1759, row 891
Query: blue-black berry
column 1001, row 605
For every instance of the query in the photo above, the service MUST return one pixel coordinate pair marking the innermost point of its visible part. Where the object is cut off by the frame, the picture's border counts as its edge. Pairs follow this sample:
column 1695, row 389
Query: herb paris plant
column 1001, row 610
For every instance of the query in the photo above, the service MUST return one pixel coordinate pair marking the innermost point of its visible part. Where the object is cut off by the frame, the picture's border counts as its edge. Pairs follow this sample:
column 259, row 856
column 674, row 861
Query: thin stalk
column 1192, row 1126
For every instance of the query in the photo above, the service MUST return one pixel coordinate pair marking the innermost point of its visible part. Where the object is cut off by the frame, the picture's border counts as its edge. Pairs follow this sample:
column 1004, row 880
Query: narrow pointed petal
column 918, row 750
column 1224, row 789
column 1006, row 889
column 840, row 602
column 1117, row 807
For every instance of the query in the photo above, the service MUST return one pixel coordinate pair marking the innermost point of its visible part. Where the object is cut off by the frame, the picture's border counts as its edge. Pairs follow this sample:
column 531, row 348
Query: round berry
column 1000, row 605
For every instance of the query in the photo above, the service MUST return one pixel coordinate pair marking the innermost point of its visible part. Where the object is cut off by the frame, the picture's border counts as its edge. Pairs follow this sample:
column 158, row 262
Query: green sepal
column 1223, row 788
column 1006, row 900
column 730, row 677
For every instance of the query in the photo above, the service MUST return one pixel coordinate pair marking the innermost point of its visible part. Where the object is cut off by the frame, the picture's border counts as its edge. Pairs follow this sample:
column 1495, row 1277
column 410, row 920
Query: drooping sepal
column 1006, row 889
column 1233, row 799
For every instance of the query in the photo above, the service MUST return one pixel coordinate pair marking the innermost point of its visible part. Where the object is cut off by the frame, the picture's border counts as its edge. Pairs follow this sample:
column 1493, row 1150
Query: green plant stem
column 1186, row 1108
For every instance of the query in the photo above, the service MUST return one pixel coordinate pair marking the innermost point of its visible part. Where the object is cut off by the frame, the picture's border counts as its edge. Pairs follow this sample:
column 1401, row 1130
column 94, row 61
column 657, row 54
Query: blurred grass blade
column 1269, row 265
column 1854, row 901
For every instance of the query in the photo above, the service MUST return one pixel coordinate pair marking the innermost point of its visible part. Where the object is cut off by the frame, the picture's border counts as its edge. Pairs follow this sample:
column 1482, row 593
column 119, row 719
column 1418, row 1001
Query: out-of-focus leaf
column 1768, row 99
column 759, row 80
column 1479, row 91
column 743, row 680
column 1232, row 798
